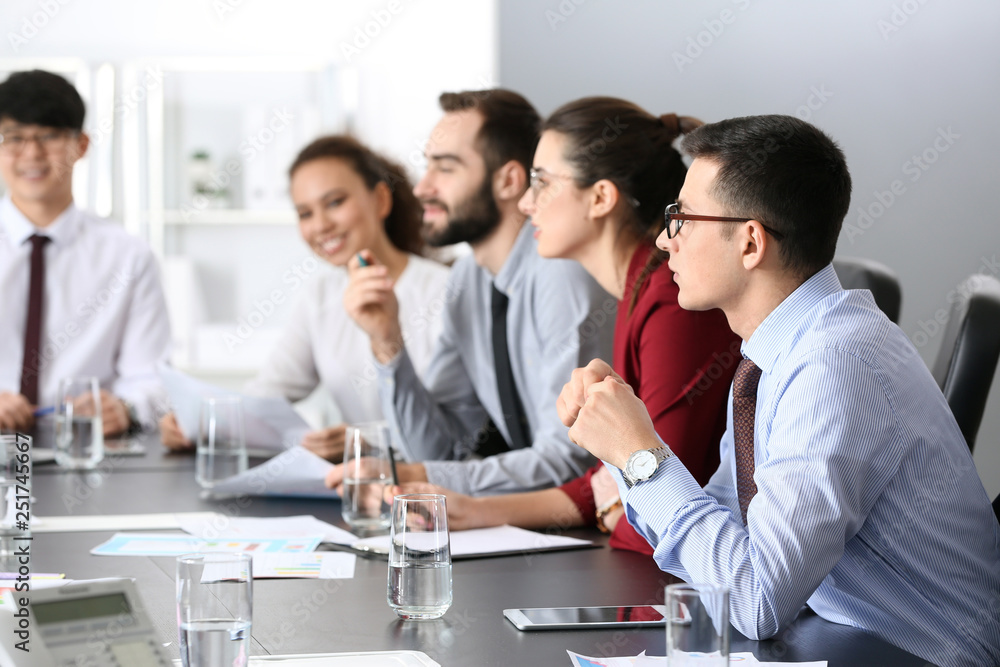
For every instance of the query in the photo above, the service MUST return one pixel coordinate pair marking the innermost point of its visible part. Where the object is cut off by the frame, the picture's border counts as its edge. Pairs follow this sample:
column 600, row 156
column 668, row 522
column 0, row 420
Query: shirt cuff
column 449, row 474
column 389, row 367
column 655, row 501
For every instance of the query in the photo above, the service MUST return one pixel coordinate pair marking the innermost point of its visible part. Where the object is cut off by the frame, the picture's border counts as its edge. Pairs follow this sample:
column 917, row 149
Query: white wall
column 885, row 78
column 402, row 54
column 418, row 48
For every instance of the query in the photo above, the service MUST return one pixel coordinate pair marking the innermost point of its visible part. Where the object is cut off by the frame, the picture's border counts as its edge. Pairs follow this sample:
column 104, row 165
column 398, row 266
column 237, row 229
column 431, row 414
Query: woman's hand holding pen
column 370, row 301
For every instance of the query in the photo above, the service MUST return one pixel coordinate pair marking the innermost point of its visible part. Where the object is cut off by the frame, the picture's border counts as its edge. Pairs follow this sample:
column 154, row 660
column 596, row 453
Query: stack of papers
column 218, row 525
column 267, row 420
column 273, row 557
column 481, row 542
column 160, row 544
column 296, row 472
column 103, row 522
column 642, row 660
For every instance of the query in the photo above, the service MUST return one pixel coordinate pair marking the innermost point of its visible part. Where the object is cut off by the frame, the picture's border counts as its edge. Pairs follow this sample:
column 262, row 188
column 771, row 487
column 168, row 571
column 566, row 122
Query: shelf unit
column 232, row 125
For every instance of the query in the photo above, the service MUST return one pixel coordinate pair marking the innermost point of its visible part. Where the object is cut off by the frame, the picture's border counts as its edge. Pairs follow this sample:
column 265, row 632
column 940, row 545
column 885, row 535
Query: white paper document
column 295, row 472
column 313, row 565
column 72, row 524
column 168, row 544
column 220, row 526
column 642, row 660
column 366, row 659
column 485, row 541
column 267, row 420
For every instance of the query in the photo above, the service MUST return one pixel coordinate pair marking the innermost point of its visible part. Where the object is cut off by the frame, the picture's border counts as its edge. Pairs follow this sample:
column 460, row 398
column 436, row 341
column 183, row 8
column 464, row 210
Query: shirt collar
column 770, row 339
column 62, row 230
column 510, row 275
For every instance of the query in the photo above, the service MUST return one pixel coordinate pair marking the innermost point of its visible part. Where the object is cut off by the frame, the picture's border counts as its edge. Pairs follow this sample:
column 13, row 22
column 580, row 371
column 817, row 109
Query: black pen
column 392, row 467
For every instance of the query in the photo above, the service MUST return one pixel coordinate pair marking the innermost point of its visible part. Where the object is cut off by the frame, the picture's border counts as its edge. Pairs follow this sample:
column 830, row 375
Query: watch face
column 643, row 464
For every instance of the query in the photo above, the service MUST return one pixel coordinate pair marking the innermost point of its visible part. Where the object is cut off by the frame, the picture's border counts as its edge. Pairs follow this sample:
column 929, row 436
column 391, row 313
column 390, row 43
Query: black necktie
column 510, row 402
column 32, row 361
column 744, row 412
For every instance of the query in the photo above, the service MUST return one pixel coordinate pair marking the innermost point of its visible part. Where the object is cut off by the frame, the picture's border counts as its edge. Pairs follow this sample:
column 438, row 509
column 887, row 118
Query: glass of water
column 367, row 471
column 697, row 625
column 419, row 557
column 14, row 470
column 79, row 427
column 222, row 448
column 214, row 608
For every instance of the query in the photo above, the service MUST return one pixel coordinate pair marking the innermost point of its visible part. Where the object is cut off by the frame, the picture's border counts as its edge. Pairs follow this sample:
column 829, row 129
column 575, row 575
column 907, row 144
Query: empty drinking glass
column 79, row 426
column 419, row 557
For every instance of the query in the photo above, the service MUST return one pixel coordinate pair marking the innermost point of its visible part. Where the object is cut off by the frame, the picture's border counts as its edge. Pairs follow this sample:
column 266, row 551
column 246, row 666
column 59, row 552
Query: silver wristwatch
column 642, row 464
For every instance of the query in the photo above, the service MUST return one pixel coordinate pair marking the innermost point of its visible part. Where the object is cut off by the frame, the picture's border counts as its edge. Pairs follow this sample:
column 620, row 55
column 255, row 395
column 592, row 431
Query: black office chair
column 996, row 507
column 968, row 357
column 857, row 273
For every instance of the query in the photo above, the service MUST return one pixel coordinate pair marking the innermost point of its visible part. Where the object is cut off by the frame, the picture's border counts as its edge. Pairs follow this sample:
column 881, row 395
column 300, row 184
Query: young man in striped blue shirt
column 846, row 483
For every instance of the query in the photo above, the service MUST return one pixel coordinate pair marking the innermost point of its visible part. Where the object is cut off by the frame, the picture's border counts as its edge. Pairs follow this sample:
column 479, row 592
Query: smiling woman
column 351, row 202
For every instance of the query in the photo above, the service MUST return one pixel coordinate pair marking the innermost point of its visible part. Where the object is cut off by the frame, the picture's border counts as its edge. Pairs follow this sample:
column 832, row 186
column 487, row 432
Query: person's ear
column 383, row 200
column 509, row 182
column 76, row 149
column 755, row 244
column 604, row 198
column 82, row 144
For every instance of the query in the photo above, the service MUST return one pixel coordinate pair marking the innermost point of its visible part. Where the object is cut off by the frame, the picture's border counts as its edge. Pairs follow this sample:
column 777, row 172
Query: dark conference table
column 347, row 615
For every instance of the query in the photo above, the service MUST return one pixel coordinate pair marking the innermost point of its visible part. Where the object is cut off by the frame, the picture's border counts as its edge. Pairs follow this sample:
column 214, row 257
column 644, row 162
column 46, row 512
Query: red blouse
column 681, row 364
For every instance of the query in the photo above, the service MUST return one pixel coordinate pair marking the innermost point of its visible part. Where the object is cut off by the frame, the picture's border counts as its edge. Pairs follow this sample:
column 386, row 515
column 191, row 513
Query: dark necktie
column 744, row 410
column 31, row 364
column 510, row 402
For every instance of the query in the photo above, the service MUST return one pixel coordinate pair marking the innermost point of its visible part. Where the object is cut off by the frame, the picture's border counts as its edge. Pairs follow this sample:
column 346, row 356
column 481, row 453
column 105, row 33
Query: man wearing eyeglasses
column 845, row 482
column 78, row 296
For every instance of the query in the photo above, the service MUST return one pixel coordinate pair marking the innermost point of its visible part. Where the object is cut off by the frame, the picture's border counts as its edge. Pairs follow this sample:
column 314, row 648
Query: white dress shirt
column 104, row 313
column 321, row 344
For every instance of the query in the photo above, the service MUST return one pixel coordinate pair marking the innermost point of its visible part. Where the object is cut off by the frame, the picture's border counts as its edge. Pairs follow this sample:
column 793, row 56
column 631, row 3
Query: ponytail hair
column 403, row 224
column 613, row 139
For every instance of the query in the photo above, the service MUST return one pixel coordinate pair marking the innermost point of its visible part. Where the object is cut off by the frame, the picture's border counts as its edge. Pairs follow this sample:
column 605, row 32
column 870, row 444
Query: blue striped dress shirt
column 868, row 508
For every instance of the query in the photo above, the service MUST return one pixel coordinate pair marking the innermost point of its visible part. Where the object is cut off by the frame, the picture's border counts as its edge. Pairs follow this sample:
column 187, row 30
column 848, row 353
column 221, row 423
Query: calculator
column 99, row 622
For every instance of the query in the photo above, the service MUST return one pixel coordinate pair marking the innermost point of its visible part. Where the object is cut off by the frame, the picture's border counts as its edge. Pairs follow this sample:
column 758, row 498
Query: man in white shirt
column 95, row 290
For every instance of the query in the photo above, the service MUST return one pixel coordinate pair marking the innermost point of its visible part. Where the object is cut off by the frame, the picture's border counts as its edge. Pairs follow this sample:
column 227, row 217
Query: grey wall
column 888, row 80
